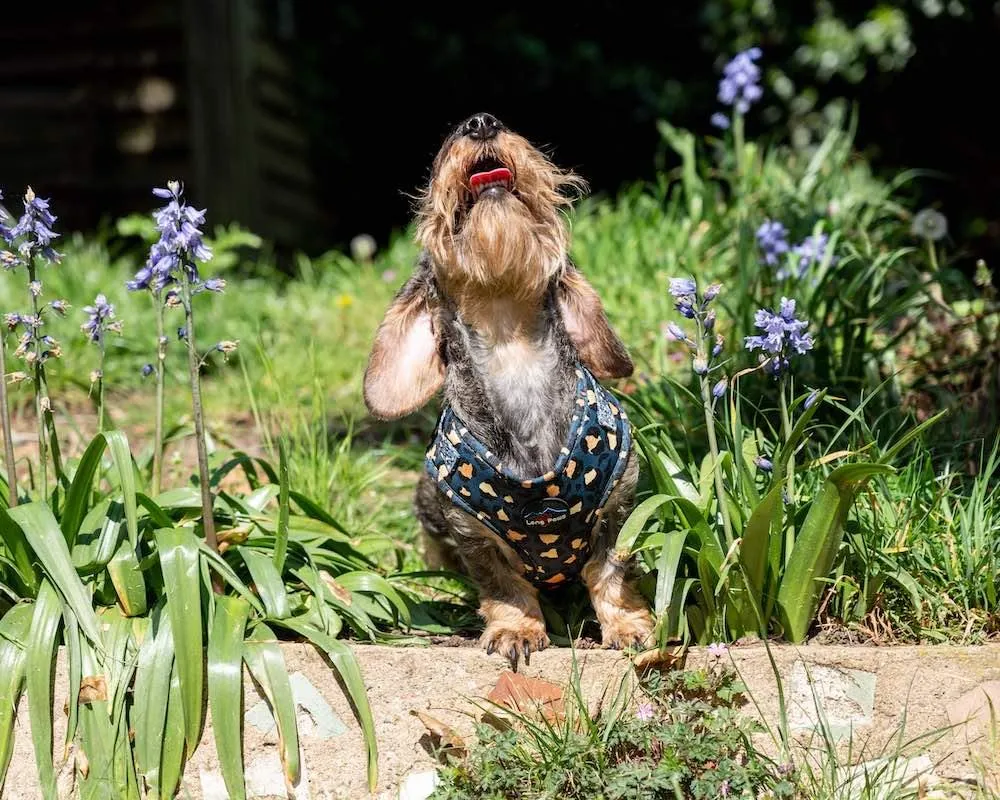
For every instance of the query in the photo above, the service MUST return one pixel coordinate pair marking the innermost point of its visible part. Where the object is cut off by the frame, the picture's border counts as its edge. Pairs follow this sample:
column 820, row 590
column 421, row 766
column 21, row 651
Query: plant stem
column 194, row 369
column 100, row 389
column 8, row 442
column 738, row 147
column 713, row 444
column 786, row 427
column 161, row 356
column 38, row 383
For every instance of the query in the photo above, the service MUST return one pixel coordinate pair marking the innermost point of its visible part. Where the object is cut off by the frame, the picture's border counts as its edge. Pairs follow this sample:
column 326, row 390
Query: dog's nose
column 482, row 126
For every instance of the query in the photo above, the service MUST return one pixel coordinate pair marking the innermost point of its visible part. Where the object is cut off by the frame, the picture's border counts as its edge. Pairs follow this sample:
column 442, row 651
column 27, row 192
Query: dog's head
column 490, row 216
column 492, row 227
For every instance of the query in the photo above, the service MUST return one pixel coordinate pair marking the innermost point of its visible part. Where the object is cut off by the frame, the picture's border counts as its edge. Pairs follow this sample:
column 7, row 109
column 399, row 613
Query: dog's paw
column 631, row 629
column 515, row 642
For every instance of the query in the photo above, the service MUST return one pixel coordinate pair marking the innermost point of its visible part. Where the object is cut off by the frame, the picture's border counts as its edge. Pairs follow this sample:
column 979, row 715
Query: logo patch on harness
column 544, row 512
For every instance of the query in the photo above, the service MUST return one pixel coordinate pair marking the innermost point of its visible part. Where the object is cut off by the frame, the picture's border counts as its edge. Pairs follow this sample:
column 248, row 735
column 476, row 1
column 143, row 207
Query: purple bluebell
column 147, row 370
column 100, row 318
column 740, row 84
column 683, row 287
column 685, row 308
column 700, row 366
column 59, row 306
column 772, row 239
column 763, row 464
column 811, row 399
column 812, row 250
column 182, row 333
column 34, row 229
column 720, row 388
column 783, row 335
column 713, row 291
column 720, row 342
column 176, row 254
column 674, row 331
column 720, row 120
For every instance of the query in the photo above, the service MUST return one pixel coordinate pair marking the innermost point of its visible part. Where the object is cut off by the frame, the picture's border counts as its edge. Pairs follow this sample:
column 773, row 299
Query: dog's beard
column 502, row 249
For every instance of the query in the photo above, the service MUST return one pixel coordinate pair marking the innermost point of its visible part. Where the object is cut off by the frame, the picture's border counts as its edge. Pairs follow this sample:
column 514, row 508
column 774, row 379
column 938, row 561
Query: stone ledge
column 865, row 691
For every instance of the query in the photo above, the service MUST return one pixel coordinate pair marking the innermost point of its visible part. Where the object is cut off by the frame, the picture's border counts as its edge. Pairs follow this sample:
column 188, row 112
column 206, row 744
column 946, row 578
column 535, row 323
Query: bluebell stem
column 28, row 243
column 692, row 306
column 8, row 441
column 173, row 261
column 100, row 321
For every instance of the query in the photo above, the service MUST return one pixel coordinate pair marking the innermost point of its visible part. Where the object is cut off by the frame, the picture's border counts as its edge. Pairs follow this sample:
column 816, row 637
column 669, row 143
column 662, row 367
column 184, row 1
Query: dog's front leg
column 508, row 604
column 620, row 607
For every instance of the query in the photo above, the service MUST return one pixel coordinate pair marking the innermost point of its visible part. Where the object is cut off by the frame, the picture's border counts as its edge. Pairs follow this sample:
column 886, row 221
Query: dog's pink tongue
column 480, row 178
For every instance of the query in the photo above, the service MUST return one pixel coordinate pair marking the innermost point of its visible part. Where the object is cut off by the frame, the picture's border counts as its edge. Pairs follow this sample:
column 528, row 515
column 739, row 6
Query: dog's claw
column 515, row 644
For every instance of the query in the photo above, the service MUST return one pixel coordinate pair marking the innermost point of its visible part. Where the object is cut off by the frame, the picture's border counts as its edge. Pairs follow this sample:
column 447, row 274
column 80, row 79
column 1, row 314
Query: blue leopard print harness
column 546, row 520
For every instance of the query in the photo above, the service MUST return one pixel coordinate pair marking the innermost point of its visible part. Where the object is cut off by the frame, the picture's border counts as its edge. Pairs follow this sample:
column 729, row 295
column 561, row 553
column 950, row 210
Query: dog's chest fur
column 514, row 388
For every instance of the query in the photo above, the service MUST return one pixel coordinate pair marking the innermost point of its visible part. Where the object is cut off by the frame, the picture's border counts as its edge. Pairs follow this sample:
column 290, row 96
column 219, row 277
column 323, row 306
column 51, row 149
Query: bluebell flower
column 811, row 399
column 719, row 120
column 720, row 388
column 772, row 241
column 176, row 254
column 763, row 464
column 713, row 291
column 59, row 306
column 214, row 284
column 34, row 229
column 683, row 287
column 740, row 84
column 685, row 308
column 674, row 331
column 100, row 319
column 812, row 250
column 720, row 342
column 700, row 366
column 147, row 370
column 182, row 333
column 783, row 334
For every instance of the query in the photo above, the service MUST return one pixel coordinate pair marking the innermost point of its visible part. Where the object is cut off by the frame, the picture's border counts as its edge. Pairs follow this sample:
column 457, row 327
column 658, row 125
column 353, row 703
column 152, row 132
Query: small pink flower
column 644, row 713
column 717, row 649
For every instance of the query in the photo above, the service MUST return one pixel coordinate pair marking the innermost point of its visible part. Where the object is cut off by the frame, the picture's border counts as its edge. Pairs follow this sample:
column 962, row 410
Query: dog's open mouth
column 490, row 178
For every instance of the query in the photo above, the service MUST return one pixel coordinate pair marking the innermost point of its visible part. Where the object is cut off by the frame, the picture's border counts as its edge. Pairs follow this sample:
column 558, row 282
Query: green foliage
column 676, row 736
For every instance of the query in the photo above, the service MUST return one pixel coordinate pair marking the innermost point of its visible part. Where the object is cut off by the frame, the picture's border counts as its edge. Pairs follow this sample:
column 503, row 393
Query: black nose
column 481, row 126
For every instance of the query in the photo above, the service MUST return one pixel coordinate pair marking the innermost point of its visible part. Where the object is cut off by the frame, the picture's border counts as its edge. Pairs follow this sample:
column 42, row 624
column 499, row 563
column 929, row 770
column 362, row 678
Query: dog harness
column 546, row 520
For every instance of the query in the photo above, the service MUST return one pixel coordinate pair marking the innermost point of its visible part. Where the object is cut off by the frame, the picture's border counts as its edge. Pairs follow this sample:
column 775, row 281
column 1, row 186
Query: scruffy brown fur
column 497, row 314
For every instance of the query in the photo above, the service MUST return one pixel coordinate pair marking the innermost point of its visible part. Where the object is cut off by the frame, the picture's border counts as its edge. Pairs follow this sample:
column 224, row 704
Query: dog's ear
column 599, row 347
column 405, row 367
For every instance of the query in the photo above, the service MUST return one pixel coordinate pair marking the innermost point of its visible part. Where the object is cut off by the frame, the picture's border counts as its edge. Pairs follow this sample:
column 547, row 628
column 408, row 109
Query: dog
column 531, row 471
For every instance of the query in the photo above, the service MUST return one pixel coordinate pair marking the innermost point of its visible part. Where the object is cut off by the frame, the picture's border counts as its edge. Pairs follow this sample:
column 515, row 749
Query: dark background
column 311, row 122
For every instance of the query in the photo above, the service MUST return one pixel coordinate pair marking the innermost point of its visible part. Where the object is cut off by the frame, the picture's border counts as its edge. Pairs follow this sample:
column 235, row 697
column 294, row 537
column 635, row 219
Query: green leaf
column 179, row 561
column 43, row 534
column 816, row 546
column 74, row 660
column 267, row 665
column 152, row 684
column 225, row 688
column 630, row 530
column 909, row 436
column 798, row 431
column 268, row 582
column 281, row 533
column 80, row 489
column 347, row 666
column 98, row 537
column 126, row 577
column 14, row 628
column 310, row 509
column 172, row 758
column 362, row 581
column 667, row 562
column 764, row 522
column 20, row 552
column 219, row 564
column 42, row 646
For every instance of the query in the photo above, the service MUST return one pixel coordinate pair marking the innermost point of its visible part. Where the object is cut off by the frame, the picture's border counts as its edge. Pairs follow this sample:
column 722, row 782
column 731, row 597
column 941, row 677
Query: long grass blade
column 42, row 645
column 267, row 665
column 152, row 690
column 347, row 666
column 78, row 495
column 225, row 688
column 281, row 532
column 180, row 562
column 46, row 539
column 14, row 629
